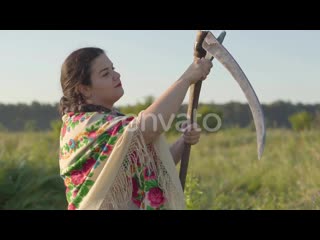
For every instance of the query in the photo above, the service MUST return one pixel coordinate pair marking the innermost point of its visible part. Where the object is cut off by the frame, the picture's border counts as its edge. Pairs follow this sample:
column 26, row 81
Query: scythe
column 208, row 46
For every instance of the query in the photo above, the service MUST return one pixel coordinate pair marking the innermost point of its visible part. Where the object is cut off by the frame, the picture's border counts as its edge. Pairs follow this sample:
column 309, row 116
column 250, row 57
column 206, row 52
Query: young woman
column 109, row 160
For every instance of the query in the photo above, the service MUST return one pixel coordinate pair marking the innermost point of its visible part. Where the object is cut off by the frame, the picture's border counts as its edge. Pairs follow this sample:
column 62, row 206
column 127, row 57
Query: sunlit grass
column 224, row 172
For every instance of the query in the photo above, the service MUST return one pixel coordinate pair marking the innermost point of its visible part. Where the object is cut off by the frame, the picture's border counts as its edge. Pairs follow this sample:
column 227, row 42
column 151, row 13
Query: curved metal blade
column 220, row 39
column 212, row 46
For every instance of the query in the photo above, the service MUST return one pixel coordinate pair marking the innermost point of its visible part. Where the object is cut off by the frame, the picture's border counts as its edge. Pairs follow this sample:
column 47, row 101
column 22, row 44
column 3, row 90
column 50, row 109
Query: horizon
column 184, row 103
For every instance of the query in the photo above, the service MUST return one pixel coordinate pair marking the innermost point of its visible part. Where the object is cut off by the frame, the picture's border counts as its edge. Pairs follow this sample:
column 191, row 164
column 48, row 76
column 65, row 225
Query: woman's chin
column 121, row 93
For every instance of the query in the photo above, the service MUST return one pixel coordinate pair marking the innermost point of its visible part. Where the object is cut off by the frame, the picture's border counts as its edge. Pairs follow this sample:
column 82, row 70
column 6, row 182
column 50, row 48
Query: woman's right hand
column 197, row 71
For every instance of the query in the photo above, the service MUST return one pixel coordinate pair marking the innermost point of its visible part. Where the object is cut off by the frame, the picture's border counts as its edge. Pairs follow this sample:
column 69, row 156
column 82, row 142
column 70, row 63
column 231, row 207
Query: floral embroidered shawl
column 105, row 164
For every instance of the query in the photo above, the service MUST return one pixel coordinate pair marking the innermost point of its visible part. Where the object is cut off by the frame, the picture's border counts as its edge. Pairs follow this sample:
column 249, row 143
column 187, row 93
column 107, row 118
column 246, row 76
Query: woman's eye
column 106, row 74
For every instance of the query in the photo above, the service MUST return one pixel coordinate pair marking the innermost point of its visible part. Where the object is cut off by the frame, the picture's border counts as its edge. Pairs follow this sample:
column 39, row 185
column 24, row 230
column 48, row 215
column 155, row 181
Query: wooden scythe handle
column 199, row 52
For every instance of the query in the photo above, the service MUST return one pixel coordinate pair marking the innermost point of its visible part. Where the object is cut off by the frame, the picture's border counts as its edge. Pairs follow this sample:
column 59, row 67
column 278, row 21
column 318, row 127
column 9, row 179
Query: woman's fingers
column 191, row 133
column 191, row 139
column 190, row 128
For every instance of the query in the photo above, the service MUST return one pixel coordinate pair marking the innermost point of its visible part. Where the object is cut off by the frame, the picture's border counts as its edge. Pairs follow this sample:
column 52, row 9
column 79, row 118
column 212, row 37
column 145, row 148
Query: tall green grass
column 29, row 172
column 224, row 172
column 231, row 176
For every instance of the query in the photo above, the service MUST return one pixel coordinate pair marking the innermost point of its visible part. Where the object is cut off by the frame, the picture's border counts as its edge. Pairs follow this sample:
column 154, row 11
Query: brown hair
column 76, row 70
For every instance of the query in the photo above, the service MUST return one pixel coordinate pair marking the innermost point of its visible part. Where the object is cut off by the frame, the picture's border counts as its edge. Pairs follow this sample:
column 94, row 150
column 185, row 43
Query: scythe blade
column 218, row 51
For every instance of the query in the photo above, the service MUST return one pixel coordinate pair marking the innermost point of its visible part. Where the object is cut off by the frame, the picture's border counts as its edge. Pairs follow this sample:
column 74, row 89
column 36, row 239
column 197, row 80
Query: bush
column 301, row 121
column 3, row 128
column 30, row 126
column 56, row 128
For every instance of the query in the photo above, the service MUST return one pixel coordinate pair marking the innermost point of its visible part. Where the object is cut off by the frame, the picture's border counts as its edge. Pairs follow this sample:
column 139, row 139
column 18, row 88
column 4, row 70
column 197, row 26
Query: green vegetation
column 224, row 171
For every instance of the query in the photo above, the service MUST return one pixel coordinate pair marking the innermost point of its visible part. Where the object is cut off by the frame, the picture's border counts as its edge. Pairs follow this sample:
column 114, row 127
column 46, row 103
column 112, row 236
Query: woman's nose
column 116, row 76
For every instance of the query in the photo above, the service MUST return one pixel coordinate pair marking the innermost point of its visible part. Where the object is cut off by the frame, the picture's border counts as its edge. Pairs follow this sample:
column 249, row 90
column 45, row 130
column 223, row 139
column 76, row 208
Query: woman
column 109, row 160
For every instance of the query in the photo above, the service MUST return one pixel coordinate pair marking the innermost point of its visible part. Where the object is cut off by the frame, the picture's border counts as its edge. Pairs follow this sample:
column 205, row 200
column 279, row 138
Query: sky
column 280, row 65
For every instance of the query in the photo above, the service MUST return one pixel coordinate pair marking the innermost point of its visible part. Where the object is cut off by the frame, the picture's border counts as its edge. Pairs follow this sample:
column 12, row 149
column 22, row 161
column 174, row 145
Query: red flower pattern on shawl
column 155, row 196
column 144, row 183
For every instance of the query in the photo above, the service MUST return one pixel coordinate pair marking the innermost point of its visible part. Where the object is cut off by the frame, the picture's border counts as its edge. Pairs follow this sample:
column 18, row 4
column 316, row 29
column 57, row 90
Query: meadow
column 224, row 172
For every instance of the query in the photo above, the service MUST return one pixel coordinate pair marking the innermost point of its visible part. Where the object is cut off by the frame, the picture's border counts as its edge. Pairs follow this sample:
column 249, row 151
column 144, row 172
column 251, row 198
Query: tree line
column 280, row 114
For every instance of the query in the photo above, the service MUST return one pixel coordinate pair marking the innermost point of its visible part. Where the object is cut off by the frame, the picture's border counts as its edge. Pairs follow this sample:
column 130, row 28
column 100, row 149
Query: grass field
column 224, row 172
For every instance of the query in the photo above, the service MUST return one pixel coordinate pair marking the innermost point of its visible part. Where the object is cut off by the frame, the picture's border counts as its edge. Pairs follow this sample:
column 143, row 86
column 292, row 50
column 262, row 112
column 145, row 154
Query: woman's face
column 105, row 87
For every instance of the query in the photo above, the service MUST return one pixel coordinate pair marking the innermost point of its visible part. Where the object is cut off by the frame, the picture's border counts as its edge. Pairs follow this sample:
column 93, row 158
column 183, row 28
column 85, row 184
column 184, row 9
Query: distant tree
column 209, row 117
column 316, row 120
column 56, row 128
column 138, row 107
column 3, row 128
column 30, row 126
column 14, row 117
column 301, row 121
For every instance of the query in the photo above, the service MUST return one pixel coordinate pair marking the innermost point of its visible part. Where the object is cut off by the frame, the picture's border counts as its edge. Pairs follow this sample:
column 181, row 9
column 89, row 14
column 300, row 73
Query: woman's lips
column 119, row 85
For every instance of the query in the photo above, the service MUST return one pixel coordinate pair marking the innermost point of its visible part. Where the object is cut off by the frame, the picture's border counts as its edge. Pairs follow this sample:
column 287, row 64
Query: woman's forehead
column 101, row 63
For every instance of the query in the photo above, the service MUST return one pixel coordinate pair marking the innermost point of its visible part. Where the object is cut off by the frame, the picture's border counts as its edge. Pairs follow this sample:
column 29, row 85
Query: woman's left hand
column 191, row 133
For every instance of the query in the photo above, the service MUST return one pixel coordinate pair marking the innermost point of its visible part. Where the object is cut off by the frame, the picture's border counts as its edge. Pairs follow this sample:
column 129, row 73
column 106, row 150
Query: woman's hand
column 197, row 71
column 191, row 133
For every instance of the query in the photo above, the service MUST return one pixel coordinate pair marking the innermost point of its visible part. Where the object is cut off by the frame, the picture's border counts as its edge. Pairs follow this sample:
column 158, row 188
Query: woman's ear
column 85, row 90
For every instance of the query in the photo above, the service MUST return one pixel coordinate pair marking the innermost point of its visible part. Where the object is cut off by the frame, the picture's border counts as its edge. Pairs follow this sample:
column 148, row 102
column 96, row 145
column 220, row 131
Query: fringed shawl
column 105, row 164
